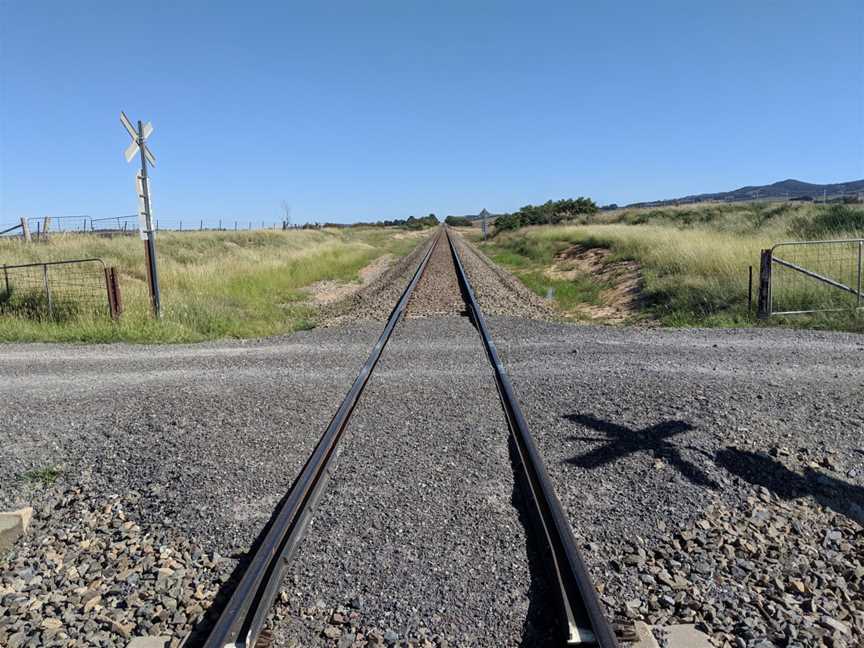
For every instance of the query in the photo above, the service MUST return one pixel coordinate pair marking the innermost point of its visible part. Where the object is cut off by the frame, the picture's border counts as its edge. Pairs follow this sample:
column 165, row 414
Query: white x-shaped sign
column 132, row 150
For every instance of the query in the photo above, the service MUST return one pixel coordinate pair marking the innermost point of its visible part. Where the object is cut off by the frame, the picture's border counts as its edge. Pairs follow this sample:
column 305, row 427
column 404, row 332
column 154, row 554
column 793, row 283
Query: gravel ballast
column 713, row 477
column 418, row 537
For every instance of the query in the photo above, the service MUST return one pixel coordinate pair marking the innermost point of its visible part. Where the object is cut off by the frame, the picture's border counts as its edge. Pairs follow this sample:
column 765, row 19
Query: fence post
column 6, row 277
column 46, row 223
column 115, row 302
column 764, row 308
column 47, row 290
column 860, row 256
column 25, row 227
column 750, row 292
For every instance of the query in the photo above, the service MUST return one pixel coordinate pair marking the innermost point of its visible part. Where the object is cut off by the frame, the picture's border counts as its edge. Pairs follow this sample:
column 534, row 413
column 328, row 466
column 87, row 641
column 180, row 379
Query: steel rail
column 580, row 607
column 242, row 620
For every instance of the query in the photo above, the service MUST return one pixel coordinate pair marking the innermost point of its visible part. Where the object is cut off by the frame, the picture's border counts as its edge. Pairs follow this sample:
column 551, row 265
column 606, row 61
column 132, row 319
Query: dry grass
column 213, row 284
column 695, row 259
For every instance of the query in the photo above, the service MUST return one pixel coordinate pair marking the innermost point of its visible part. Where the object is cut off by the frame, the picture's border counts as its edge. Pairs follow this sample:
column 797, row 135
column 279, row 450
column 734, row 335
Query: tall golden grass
column 213, row 284
column 696, row 259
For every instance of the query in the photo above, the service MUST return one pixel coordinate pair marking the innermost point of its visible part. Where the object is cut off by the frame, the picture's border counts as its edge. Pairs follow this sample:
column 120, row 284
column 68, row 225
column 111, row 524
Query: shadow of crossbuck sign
column 621, row 441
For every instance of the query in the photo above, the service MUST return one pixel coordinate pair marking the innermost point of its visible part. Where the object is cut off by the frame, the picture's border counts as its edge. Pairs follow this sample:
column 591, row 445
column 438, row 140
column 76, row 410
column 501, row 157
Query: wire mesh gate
column 60, row 290
column 811, row 276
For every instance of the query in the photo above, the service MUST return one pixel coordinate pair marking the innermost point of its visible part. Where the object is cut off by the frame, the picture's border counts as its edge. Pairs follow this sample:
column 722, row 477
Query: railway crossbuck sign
column 145, row 213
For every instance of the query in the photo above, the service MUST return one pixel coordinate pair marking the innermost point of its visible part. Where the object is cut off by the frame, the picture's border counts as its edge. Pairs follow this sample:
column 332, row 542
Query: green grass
column 44, row 476
column 694, row 259
column 213, row 284
column 528, row 257
column 567, row 294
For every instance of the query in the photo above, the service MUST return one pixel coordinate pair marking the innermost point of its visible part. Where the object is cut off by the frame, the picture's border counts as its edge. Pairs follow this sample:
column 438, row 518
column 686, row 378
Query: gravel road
column 713, row 477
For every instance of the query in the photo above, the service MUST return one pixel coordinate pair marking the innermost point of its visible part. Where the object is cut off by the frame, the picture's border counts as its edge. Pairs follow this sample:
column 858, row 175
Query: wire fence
column 59, row 290
column 43, row 228
column 115, row 224
column 812, row 276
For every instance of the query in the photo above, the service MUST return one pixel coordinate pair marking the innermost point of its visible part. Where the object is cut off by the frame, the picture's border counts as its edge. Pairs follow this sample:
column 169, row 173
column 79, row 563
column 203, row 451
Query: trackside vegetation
column 694, row 259
column 549, row 213
column 214, row 284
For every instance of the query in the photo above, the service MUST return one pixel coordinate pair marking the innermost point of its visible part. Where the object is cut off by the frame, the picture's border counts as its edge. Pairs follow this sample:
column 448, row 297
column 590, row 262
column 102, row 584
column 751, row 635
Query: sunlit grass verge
column 214, row 284
column 692, row 277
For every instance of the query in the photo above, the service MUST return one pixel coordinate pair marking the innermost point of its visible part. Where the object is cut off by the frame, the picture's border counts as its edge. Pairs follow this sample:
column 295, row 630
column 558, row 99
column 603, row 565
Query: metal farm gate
column 810, row 277
column 60, row 289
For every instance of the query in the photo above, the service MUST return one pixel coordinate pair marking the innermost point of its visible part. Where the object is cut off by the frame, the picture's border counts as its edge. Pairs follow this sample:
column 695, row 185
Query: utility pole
column 145, row 213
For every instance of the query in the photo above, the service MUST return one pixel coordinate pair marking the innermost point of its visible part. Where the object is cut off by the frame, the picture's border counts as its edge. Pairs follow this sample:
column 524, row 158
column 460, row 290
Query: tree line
column 411, row 223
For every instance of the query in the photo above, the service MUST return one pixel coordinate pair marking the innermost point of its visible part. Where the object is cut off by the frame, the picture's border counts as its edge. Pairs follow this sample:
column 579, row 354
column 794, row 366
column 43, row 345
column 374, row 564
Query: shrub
column 458, row 221
column 830, row 221
column 551, row 212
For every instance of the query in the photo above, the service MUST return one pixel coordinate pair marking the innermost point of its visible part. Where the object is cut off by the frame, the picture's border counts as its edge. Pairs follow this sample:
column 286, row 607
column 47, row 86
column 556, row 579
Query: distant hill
column 783, row 190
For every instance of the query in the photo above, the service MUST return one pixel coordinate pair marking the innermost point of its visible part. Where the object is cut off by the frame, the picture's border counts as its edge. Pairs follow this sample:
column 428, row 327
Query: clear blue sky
column 369, row 110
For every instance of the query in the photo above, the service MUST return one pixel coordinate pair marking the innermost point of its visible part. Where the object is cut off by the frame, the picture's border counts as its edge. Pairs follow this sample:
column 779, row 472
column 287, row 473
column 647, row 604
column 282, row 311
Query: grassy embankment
column 214, row 284
column 694, row 258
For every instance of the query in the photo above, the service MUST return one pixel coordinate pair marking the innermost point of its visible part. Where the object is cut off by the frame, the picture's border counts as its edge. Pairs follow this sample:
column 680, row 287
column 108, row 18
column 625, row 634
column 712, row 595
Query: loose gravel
column 375, row 302
column 497, row 291
column 88, row 575
column 713, row 477
column 420, row 538
column 198, row 442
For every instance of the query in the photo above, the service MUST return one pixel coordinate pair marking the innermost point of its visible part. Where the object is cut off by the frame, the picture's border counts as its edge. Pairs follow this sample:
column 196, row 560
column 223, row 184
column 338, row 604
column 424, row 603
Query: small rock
column 332, row 632
column 686, row 636
column 148, row 642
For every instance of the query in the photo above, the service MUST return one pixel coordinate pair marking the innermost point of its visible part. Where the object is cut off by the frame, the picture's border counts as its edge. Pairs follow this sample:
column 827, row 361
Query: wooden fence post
column 25, row 227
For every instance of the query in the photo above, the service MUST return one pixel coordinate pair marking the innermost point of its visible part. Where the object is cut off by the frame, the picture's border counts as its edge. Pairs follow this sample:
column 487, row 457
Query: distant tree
column 458, row 221
column 549, row 213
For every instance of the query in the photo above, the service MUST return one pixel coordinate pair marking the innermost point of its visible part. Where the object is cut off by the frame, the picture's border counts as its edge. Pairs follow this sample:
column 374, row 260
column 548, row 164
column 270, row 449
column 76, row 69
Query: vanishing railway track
column 583, row 623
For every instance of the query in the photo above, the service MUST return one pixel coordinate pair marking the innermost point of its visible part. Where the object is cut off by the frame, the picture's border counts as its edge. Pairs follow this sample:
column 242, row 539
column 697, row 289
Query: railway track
column 242, row 621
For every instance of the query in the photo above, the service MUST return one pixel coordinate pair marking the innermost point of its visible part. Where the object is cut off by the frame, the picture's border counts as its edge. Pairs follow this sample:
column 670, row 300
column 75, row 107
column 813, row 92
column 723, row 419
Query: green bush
column 549, row 213
column 833, row 220
column 458, row 221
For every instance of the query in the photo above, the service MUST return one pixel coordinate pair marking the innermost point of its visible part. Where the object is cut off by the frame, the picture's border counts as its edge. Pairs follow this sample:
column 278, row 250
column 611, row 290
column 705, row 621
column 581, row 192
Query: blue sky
column 370, row 110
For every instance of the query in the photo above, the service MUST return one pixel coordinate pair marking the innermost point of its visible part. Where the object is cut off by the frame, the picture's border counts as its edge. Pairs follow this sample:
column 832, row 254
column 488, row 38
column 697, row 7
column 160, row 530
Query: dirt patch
column 621, row 300
column 330, row 292
column 411, row 234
